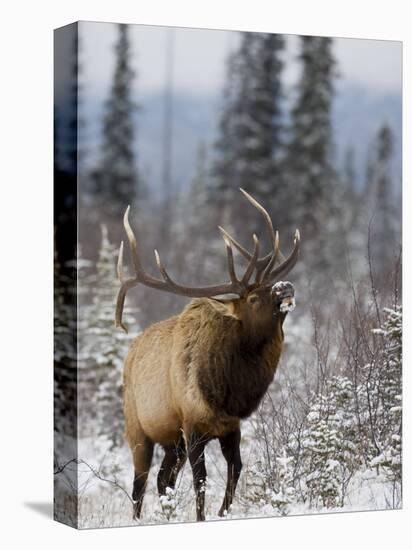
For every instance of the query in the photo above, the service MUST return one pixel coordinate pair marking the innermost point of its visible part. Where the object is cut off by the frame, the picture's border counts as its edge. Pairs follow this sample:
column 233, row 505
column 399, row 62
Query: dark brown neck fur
column 236, row 363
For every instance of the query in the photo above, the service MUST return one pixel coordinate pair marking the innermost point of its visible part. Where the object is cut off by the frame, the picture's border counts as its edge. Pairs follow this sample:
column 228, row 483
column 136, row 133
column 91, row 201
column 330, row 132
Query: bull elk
column 193, row 377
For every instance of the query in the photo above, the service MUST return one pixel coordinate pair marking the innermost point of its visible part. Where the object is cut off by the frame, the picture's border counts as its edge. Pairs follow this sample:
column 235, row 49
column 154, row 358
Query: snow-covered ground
column 105, row 477
column 102, row 504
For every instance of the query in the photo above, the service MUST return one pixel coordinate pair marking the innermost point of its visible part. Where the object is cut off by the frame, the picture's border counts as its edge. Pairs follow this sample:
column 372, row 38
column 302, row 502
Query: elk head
column 258, row 300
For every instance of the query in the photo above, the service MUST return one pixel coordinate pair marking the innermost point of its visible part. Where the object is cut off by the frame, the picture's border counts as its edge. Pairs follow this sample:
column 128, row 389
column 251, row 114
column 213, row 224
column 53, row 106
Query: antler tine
column 120, row 275
column 266, row 216
column 284, row 268
column 230, row 262
column 261, row 262
column 266, row 263
column 272, row 260
column 252, row 263
column 162, row 269
column 122, row 294
column 126, row 284
column 236, row 244
column 132, row 242
column 119, row 309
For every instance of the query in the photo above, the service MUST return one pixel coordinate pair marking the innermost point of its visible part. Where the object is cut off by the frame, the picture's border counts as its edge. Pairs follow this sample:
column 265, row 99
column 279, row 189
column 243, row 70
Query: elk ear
column 224, row 307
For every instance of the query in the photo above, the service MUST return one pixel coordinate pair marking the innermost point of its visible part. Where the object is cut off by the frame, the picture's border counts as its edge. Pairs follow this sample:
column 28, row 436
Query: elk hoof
column 136, row 511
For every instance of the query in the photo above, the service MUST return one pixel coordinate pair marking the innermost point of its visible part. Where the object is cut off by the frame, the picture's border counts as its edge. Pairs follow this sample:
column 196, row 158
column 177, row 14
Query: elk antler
column 265, row 270
column 235, row 286
column 265, row 264
column 288, row 264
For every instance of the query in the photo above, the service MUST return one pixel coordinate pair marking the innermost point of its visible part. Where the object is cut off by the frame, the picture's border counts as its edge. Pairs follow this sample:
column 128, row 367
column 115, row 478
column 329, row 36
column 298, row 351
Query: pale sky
column 199, row 59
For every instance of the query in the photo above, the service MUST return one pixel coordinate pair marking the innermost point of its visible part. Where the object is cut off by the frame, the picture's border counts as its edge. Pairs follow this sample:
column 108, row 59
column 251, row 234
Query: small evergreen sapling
column 330, row 455
column 390, row 392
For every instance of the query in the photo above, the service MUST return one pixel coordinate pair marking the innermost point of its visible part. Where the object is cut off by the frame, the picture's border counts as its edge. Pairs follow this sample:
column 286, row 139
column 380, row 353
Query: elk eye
column 253, row 300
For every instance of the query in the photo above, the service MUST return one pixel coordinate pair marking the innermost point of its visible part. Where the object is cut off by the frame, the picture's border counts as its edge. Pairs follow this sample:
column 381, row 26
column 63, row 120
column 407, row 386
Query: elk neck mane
column 234, row 364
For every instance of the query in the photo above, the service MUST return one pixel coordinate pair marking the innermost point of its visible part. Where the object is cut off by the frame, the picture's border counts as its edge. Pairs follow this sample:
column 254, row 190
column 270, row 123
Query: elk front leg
column 230, row 445
column 196, row 451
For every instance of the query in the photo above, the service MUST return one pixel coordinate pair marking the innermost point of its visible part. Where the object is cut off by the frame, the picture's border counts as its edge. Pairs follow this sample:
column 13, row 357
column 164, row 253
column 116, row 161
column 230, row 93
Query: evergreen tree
column 379, row 197
column 388, row 396
column 65, row 349
column 270, row 485
column 103, row 348
column 308, row 163
column 329, row 455
column 116, row 180
column 250, row 128
column 64, row 318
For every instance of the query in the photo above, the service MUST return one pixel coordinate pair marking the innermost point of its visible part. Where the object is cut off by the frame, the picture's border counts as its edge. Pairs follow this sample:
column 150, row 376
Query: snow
column 103, row 505
column 288, row 305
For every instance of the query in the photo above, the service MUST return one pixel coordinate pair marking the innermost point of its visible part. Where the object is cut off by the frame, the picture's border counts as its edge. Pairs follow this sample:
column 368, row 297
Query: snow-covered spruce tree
column 310, row 175
column 116, row 179
column 64, row 317
column 269, row 473
column 341, row 393
column 319, row 447
column 86, row 375
column 389, row 396
column 284, row 495
column 65, row 365
column 250, row 131
column 329, row 456
column 270, row 483
column 103, row 348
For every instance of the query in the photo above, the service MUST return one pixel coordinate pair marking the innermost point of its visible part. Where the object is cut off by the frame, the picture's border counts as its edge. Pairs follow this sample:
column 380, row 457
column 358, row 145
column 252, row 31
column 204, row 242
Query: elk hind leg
column 142, row 450
column 173, row 461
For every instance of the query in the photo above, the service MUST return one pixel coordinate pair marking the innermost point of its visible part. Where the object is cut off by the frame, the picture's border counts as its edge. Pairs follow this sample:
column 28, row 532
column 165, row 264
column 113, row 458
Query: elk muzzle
column 284, row 294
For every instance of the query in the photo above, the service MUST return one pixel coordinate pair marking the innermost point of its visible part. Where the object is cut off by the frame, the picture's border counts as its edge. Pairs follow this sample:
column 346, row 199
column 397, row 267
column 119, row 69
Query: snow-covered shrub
column 329, row 452
column 65, row 346
column 320, row 443
column 283, row 496
column 168, row 503
column 269, row 471
column 272, row 489
column 389, row 409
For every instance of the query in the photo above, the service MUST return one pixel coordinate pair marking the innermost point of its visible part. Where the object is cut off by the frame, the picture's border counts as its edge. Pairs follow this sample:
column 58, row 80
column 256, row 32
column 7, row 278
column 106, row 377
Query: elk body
column 193, row 377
